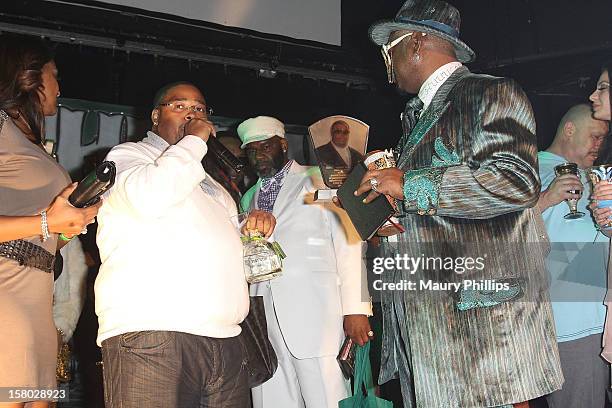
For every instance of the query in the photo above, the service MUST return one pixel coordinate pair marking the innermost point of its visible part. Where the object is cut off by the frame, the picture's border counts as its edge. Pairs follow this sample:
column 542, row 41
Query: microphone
column 224, row 155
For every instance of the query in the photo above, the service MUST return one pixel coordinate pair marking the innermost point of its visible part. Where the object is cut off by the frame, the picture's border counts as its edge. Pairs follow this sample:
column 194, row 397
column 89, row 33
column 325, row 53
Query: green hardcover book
column 367, row 218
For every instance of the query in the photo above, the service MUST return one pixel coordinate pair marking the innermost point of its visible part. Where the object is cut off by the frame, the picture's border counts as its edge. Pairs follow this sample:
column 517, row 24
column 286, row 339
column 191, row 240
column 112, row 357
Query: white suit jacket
column 324, row 274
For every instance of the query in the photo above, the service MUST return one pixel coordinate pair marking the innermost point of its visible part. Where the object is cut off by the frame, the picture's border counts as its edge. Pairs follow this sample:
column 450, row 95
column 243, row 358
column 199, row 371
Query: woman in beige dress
column 34, row 211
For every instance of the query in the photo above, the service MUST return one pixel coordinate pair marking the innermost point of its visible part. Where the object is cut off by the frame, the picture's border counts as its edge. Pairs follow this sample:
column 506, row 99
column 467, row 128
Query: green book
column 367, row 218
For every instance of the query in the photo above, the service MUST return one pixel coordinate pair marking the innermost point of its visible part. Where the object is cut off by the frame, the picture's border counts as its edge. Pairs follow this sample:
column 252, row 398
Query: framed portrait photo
column 339, row 144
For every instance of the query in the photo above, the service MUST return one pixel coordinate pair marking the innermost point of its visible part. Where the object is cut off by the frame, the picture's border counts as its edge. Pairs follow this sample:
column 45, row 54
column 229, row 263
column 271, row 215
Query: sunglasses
column 385, row 50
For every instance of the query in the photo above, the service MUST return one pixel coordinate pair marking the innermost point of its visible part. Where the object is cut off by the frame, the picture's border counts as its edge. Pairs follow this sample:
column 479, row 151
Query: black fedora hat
column 427, row 16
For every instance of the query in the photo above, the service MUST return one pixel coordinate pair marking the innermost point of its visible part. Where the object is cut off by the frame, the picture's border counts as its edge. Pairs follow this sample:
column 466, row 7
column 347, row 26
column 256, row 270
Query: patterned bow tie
column 412, row 113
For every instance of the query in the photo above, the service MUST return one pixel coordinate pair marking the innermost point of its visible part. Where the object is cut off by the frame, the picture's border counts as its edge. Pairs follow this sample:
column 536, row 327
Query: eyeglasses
column 387, row 56
column 180, row 107
column 602, row 86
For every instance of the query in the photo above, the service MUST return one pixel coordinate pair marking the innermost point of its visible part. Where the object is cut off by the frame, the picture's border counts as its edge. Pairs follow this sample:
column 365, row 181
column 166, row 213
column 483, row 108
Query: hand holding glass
column 598, row 174
column 570, row 168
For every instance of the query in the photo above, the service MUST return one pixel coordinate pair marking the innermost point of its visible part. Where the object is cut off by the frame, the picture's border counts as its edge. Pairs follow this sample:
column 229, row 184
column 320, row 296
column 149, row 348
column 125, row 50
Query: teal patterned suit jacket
column 471, row 182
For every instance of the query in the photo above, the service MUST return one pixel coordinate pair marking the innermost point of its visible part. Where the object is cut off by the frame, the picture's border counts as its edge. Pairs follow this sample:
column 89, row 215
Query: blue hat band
column 433, row 24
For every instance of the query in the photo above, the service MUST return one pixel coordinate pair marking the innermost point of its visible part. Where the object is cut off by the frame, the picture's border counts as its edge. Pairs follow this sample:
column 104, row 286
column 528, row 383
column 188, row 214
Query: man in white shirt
column 171, row 290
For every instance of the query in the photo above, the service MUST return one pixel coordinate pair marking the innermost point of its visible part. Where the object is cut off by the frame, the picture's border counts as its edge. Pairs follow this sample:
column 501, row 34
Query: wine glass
column 570, row 168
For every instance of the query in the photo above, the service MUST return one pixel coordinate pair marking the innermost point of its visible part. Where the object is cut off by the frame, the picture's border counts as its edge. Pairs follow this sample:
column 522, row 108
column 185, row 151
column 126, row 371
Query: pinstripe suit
column 471, row 168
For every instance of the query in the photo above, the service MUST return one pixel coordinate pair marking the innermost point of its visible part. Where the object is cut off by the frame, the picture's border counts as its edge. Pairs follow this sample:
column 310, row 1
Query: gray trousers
column 159, row 369
column 587, row 375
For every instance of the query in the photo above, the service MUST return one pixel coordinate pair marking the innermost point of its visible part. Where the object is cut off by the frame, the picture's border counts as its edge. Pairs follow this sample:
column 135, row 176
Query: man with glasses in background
column 171, row 290
column 466, row 181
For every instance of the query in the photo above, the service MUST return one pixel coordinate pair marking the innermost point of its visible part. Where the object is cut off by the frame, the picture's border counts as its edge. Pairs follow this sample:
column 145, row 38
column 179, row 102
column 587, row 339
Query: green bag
column 363, row 375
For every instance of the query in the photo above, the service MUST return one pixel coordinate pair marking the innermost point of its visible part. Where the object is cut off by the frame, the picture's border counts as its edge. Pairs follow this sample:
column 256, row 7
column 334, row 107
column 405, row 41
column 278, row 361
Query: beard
column 269, row 168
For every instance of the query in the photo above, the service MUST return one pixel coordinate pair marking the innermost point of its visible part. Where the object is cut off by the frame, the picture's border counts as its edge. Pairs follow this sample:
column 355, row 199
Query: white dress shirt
column 345, row 154
column 435, row 81
column 171, row 255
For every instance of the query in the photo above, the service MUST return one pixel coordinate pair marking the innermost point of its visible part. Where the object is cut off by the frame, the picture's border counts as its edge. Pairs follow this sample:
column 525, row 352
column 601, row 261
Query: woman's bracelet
column 44, row 226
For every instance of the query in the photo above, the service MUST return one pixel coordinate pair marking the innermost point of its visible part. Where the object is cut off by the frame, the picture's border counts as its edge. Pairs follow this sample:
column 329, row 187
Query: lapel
column 292, row 186
column 430, row 117
column 249, row 199
column 440, row 97
column 338, row 161
column 355, row 157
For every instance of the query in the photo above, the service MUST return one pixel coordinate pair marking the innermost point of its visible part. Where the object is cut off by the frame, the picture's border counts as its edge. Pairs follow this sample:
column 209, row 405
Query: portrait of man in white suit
column 322, row 295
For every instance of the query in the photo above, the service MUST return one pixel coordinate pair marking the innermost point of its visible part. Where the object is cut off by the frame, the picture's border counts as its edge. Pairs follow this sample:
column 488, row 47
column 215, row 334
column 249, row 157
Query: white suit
column 323, row 280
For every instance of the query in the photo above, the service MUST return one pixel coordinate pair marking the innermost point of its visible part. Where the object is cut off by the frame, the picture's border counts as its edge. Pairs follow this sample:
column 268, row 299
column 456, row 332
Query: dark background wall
column 554, row 48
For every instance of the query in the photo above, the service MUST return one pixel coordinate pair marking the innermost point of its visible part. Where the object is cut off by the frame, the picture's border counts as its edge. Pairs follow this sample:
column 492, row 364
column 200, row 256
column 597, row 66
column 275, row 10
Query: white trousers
column 298, row 383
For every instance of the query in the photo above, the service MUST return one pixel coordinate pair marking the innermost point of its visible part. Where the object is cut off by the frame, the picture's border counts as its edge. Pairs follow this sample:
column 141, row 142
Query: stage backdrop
column 84, row 131
column 315, row 20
